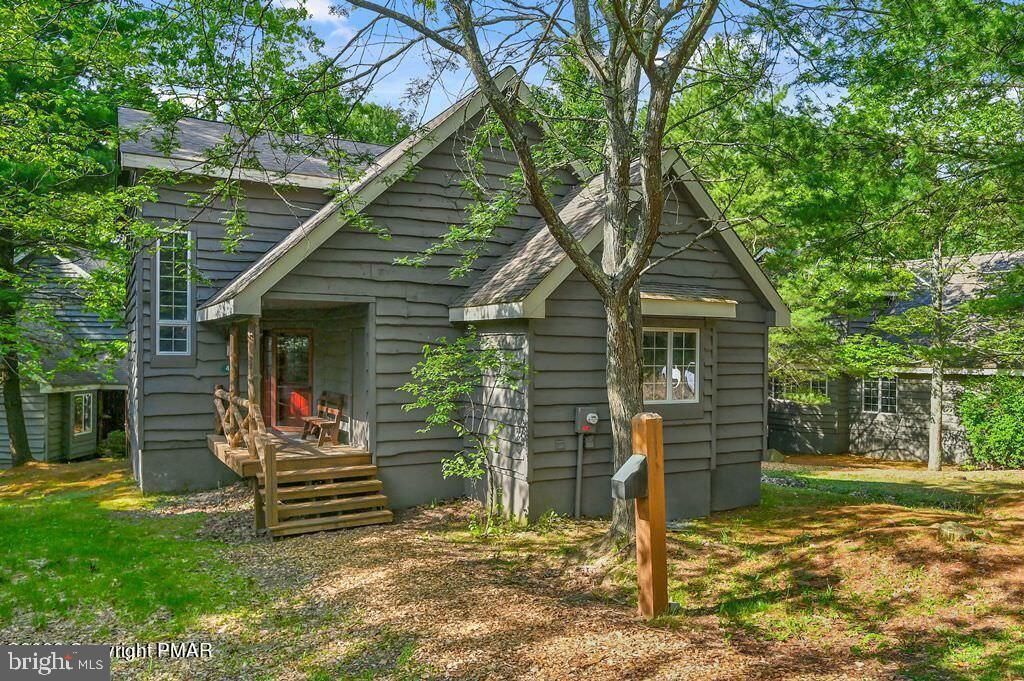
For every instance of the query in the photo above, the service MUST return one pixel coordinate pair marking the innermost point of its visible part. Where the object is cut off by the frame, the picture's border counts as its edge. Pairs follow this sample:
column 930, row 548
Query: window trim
column 696, row 381
column 188, row 323
column 877, row 384
column 89, row 424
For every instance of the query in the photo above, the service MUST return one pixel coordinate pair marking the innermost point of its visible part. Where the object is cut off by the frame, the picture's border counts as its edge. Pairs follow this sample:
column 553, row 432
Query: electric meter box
column 587, row 420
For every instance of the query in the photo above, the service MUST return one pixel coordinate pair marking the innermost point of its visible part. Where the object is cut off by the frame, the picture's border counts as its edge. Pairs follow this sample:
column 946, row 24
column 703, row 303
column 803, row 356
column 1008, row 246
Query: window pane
column 818, row 386
column 655, row 352
column 174, row 278
column 888, row 395
column 684, row 366
column 173, row 338
column 293, row 359
column 870, row 394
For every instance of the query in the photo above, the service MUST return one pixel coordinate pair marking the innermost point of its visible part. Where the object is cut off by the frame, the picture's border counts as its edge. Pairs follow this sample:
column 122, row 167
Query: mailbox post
column 642, row 478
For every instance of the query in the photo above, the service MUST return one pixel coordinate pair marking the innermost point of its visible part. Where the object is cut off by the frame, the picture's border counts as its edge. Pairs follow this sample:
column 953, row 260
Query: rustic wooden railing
column 241, row 421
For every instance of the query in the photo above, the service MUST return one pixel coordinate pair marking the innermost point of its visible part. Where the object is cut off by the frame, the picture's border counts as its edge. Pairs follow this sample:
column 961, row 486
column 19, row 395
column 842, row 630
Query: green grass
column 911, row 494
column 73, row 556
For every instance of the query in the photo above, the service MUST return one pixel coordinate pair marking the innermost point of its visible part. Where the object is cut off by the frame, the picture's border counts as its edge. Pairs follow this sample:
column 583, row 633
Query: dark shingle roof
column 970, row 279
column 684, row 292
column 193, row 138
column 523, row 266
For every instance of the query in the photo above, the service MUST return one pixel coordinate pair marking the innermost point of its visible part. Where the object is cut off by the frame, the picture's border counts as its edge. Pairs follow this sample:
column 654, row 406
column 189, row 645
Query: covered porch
column 298, row 364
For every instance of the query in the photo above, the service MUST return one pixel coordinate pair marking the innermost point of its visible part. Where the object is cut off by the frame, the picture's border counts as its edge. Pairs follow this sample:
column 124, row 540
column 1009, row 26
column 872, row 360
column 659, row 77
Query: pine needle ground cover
column 839, row 574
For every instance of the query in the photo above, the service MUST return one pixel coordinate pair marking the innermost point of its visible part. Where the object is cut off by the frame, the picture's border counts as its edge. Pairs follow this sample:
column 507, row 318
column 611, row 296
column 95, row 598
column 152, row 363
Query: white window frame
column 876, row 388
column 696, row 379
column 187, row 323
column 89, row 414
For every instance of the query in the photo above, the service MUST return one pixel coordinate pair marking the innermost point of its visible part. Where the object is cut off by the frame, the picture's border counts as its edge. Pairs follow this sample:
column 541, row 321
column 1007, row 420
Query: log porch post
column 233, row 364
column 253, row 341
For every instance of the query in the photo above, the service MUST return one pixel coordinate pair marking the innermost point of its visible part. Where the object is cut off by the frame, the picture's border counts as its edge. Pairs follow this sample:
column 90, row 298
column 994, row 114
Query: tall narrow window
column 670, row 365
column 881, row 395
column 81, row 414
column 174, row 295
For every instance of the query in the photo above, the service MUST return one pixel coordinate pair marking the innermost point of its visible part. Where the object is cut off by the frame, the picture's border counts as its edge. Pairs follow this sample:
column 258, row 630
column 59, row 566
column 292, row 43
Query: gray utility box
column 587, row 419
column 630, row 481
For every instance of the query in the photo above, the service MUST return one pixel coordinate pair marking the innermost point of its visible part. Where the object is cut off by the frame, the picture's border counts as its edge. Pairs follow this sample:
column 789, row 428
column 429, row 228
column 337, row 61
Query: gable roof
column 519, row 282
column 76, row 324
column 243, row 295
column 968, row 282
column 293, row 159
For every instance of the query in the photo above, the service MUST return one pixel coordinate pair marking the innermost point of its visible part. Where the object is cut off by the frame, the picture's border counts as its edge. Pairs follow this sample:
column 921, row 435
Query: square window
column 670, row 365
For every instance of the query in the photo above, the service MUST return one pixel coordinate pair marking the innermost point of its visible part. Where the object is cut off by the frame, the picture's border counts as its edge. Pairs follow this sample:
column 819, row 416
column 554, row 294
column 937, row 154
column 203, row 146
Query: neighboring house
column 884, row 417
column 330, row 311
column 68, row 416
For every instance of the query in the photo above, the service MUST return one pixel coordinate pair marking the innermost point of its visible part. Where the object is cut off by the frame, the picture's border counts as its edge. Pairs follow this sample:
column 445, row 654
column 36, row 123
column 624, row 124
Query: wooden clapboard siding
column 505, row 415
column 568, row 350
column 82, row 444
column 812, row 428
column 170, row 400
column 411, row 304
column 35, row 406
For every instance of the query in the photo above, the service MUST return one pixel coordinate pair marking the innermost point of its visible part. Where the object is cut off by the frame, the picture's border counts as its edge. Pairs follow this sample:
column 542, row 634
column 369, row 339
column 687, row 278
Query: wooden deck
column 315, row 488
column 292, row 454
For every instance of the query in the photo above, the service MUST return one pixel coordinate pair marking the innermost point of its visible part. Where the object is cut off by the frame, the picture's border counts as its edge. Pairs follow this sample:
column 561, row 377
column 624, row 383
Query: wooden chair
column 329, row 420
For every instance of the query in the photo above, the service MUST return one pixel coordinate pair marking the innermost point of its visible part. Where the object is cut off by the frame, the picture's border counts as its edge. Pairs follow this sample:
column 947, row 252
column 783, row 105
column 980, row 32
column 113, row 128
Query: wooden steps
column 327, row 494
column 336, row 522
column 317, row 488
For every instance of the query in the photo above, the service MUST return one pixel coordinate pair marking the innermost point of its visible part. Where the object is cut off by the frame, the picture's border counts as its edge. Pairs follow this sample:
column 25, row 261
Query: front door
column 290, row 370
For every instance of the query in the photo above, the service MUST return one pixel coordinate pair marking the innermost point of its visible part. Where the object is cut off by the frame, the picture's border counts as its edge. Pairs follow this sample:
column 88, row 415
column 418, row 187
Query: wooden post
column 269, row 479
column 651, row 565
column 233, row 360
column 253, row 368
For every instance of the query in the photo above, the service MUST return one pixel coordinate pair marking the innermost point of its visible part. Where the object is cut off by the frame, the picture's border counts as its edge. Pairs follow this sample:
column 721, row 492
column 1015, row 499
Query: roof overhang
column 664, row 305
column 533, row 306
column 202, row 169
column 46, row 388
column 243, row 296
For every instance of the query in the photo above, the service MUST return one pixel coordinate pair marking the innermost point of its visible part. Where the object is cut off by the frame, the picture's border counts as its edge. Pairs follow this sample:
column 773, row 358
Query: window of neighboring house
column 81, row 414
column 880, row 395
column 174, row 295
column 670, row 365
column 778, row 388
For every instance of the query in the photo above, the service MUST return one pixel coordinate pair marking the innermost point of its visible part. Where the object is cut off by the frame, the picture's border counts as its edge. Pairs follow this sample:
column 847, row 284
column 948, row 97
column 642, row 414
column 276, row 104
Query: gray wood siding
column 411, row 307
column 56, row 427
column 35, row 404
column 812, row 428
column 904, row 435
column 504, row 413
column 726, row 428
column 83, row 444
column 171, row 398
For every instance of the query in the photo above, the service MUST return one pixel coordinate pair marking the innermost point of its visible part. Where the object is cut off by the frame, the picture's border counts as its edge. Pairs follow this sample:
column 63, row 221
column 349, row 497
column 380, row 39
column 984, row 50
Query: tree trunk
column 935, row 418
column 625, row 396
column 14, row 410
column 938, row 348
column 10, row 374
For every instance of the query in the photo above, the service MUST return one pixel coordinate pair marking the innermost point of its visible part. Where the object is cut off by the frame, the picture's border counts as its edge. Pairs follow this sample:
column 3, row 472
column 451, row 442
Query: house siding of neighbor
column 342, row 290
column 845, row 424
column 49, row 407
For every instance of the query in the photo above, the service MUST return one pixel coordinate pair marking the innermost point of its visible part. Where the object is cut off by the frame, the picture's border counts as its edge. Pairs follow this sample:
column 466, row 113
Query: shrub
column 116, row 444
column 992, row 413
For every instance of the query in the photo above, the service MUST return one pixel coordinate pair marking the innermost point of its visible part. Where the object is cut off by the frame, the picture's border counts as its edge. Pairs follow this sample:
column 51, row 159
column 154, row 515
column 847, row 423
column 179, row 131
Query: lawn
column 838, row 574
